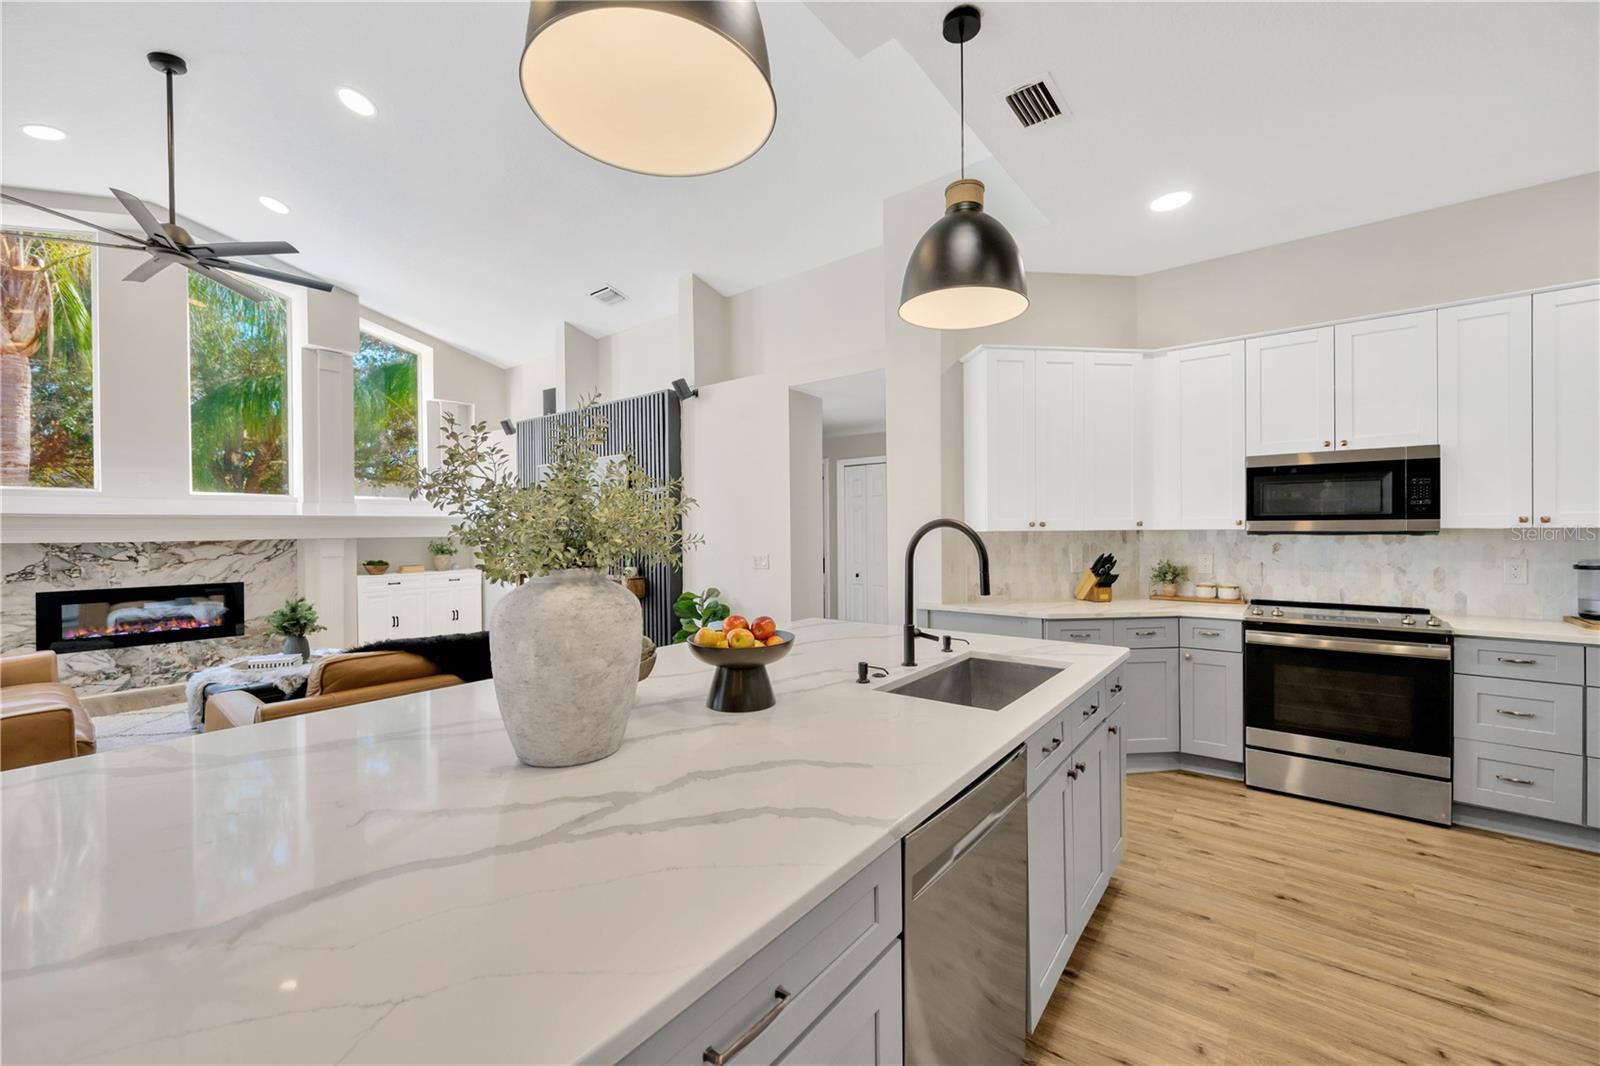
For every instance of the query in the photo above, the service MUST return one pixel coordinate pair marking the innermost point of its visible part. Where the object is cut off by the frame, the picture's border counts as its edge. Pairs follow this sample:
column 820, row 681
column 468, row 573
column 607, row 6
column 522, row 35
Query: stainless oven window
column 1317, row 494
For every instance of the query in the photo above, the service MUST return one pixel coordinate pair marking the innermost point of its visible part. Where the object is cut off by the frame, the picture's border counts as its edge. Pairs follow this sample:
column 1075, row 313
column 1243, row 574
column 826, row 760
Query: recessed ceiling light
column 45, row 133
column 357, row 103
column 1171, row 201
column 271, row 204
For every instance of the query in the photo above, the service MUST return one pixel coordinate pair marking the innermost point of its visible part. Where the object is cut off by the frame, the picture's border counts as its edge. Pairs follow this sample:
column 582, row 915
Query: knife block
column 1089, row 591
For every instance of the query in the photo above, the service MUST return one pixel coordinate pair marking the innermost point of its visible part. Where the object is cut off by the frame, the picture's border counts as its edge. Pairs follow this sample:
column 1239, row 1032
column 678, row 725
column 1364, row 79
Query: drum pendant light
column 966, row 271
column 673, row 88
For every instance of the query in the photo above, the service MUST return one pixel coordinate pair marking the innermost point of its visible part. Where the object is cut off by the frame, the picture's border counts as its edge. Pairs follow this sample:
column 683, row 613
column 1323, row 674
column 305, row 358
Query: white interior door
column 864, row 542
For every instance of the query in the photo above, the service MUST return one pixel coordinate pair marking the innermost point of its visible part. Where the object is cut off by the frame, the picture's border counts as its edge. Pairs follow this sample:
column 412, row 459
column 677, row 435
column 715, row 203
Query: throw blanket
column 286, row 678
column 464, row 654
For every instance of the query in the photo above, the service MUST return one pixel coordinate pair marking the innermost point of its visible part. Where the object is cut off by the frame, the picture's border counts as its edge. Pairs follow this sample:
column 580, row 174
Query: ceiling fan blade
column 227, row 248
column 64, row 239
column 149, row 269
column 276, row 275
column 227, row 281
column 70, row 218
column 141, row 214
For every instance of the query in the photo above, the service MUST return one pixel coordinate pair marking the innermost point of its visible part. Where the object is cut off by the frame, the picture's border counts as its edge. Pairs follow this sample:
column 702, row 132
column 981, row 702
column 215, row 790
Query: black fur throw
column 464, row 654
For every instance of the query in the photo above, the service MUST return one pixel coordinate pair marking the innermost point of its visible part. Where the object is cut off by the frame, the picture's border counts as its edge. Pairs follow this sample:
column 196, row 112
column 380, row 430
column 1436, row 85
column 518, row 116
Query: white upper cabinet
column 999, row 397
column 1058, row 468
column 1566, row 393
column 1486, row 414
column 1386, row 382
column 1289, row 392
column 1113, row 470
column 1197, row 436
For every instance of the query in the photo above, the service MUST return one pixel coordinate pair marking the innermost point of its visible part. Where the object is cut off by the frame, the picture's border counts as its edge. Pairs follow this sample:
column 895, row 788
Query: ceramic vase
column 565, row 653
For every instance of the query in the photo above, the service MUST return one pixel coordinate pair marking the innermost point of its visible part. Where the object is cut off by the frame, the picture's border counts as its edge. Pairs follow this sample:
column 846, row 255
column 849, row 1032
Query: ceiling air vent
column 607, row 295
column 1033, row 104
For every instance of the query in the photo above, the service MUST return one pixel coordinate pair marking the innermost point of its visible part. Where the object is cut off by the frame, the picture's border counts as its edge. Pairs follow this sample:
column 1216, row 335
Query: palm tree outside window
column 386, row 415
column 238, row 391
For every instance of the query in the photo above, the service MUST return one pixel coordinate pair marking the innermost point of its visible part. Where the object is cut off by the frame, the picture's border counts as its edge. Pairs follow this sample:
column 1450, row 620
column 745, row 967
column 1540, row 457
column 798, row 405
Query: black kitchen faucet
column 910, row 628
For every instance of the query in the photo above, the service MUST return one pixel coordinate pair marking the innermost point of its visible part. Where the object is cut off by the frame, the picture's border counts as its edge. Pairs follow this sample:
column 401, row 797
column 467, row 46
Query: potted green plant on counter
column 696, row 610
column 376, row 566
column 293, row 621
column 443, row 552
column 1166, row 576
column 564, row 643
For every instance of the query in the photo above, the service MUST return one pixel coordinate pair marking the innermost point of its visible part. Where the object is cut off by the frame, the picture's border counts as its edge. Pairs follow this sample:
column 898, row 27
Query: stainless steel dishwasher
column 966, row 924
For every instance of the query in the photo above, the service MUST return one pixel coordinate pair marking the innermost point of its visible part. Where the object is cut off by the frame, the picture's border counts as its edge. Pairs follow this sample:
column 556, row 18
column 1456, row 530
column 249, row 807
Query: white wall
column 639, row 360
column 807, row 515
column 810, row 322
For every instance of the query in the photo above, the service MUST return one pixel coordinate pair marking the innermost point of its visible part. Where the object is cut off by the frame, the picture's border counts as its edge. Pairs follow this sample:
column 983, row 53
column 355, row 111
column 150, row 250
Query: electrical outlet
column 1204, row 564
column 1516, row 571
column 761, row 562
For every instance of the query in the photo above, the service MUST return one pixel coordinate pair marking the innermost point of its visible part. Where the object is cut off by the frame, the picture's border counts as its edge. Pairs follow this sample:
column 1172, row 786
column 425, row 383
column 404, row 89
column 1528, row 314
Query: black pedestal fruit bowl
column 741, row 682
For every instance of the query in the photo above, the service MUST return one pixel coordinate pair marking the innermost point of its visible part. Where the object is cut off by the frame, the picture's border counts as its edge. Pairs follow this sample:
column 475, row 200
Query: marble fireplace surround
column 268, row 569
column 1460, row 571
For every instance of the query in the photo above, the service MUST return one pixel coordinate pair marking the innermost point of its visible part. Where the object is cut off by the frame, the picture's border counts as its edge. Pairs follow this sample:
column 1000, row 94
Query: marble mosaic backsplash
column 267, row 568
column 1457, row 570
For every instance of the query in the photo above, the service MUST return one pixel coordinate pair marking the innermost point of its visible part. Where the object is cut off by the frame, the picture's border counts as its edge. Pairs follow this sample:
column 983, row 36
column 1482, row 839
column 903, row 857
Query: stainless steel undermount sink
column 976, row 682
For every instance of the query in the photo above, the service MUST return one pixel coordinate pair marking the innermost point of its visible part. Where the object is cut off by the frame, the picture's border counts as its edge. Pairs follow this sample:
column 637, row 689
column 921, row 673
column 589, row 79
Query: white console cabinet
column 418, row 605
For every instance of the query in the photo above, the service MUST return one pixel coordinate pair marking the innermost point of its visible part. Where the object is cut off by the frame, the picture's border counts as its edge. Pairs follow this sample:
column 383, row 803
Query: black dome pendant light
column 666, row 87
column 966, row 271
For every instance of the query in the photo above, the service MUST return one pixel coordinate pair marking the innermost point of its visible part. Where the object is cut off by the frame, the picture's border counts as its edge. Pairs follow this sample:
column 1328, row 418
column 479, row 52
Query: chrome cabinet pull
column 1518, row 662
column 1054, row 744
column 1080, row 636
column 1209, row 632
column 717, row 1058
column 1514, row 714
column 1145, row 632
column 1512, row 780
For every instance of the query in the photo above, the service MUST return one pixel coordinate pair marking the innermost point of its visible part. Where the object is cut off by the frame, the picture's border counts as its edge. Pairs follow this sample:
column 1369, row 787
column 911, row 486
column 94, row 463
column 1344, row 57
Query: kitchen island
column 385, row 882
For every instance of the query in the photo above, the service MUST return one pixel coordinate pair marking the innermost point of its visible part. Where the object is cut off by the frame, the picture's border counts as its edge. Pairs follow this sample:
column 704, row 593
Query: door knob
column 1031, row 524
column 1544, row 518
column 1041, row 525
column 1238, row 521
column 1522, row 518
column 1140, row 522
column 1327, row 444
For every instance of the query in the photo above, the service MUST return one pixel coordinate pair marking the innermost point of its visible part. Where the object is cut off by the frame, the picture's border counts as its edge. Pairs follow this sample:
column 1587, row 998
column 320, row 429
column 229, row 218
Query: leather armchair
column 337, row 681
column 41, row 720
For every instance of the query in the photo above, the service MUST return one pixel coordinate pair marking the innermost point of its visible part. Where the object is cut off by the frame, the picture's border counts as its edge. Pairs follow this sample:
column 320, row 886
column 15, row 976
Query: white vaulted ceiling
column 456, row 211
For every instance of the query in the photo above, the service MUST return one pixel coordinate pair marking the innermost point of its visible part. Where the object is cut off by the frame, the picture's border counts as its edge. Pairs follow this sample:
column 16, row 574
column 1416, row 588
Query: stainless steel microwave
column 1372, row 490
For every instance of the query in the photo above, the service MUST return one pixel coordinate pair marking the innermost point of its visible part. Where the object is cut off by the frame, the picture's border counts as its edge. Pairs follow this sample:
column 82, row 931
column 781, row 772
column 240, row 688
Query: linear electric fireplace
column 94, row 619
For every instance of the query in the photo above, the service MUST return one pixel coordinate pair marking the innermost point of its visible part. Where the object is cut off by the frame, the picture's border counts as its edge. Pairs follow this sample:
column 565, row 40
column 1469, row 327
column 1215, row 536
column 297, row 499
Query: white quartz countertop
column 386, row 883
column 1462, row 625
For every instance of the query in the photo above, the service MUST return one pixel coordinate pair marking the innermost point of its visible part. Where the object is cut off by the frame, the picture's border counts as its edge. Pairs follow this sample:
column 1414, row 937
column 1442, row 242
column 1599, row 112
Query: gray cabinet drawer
column 1204, row 633
column 816, row 959
column 865, row 1027
column 1542, row 784
column 997, row 625
column 1098, row 632
column 1525, row 659
column 1526, row 714
column 1146, row 632
column 1592, row 806
column 1591, row 717
column 1084, row 714
column 1046, row 748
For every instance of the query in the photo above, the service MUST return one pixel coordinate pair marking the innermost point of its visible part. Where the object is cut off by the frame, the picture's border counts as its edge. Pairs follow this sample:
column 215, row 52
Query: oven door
column 1359, row 699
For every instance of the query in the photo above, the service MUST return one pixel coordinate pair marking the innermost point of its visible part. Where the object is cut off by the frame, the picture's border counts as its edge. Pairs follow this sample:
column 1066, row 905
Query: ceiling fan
column 167, row 242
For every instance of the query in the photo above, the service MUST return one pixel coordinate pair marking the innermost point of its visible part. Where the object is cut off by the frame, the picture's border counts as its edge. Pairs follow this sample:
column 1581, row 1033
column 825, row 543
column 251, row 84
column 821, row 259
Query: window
column 47, row 363
column 386, row 397
column 238, row 391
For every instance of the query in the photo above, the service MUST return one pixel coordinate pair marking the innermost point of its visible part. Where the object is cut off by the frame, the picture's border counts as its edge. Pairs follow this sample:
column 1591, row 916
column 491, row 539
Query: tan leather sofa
column 337, row 681
column 41, row 719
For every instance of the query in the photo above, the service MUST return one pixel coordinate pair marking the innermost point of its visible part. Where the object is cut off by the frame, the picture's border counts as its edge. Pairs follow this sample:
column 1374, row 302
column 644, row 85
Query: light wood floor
column 1246, row 927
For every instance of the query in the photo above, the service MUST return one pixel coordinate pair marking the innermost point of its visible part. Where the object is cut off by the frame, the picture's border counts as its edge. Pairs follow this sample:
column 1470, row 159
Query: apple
column 764, row 628
column 707, row 637
column 741, row 638
column 735, row 621
column 774, row 640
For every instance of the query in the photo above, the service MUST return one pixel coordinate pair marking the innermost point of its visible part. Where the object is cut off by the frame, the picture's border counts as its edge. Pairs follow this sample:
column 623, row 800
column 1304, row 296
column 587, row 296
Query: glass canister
column 1588, row 588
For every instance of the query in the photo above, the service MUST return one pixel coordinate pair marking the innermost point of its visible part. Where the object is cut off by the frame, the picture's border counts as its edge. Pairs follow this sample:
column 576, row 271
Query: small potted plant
column 376, row 566
column 443, row 552
column 292, row 622
column 1165, row 577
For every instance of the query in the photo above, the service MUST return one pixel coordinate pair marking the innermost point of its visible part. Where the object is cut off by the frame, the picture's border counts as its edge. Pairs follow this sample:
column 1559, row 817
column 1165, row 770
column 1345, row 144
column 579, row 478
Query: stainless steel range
column 1350, row 704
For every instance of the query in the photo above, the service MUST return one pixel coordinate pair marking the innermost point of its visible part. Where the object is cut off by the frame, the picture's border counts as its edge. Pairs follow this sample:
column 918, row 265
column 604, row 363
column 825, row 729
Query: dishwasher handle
column 995, row 795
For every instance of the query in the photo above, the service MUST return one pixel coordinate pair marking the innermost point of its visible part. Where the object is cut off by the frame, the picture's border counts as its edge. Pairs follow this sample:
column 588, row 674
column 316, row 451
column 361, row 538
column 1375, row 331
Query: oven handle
column 1363, row 647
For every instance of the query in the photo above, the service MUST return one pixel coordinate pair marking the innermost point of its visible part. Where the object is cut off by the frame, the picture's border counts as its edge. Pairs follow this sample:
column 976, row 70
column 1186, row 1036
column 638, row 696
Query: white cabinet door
column 454, row 602
column 390, row 606
column 1486, row 414
column 863, row 1027
column 1566, row 427
column 1386, row 382
column 1086, row 868
column 1205, row 436
column 1059, row 469
column 410, row 606
column 1149, row 717
column 1111, row 789
column 1211, row 704
column 1049, row 819
column 1288, row 389
column 999, row 439
column 1113, row 467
